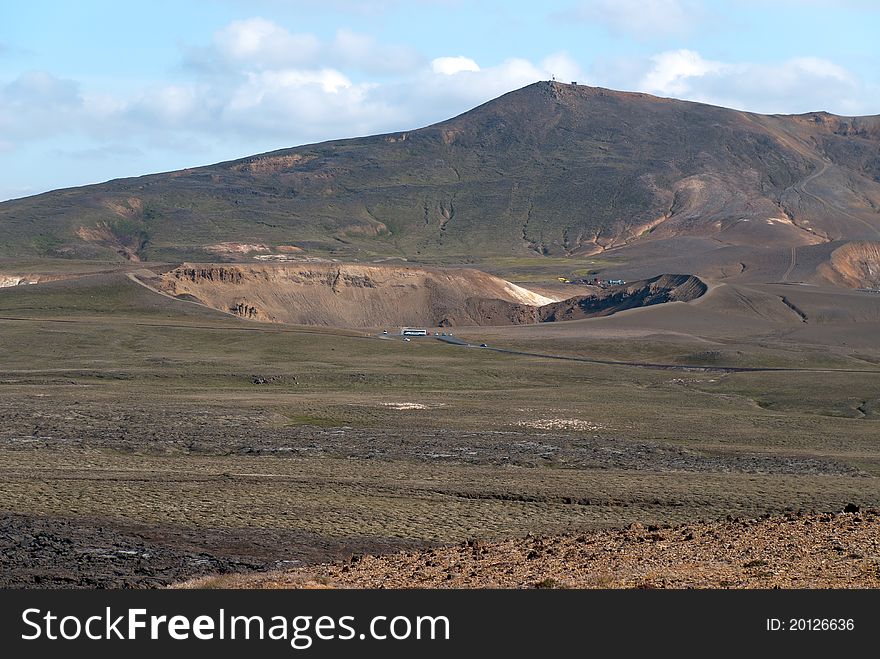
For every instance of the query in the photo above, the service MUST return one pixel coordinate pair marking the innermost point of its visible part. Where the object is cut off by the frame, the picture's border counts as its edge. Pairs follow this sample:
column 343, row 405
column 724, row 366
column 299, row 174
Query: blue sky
column 94, row 89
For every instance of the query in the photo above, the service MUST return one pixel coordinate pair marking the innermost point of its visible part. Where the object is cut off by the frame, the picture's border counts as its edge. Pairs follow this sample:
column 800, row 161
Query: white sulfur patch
column 526, row 296
column 410, row 406
column 562, row 424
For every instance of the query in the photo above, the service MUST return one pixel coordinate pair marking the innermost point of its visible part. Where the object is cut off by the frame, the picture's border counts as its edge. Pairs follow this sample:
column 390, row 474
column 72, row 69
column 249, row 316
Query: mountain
column 550, row 169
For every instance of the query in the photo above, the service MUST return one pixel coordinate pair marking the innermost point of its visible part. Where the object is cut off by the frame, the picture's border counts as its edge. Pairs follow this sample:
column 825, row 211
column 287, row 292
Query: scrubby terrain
column 146, row 440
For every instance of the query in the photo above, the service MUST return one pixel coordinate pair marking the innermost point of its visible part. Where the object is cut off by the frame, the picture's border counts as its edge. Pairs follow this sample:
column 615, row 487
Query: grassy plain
column 119, row 405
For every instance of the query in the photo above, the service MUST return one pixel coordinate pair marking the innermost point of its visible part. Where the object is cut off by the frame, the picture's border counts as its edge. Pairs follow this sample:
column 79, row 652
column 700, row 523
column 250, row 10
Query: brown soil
column 103, row 234
column 831, row 550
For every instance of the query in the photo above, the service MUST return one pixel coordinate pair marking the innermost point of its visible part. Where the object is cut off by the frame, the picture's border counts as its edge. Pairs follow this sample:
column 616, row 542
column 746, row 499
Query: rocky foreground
column 816, row 550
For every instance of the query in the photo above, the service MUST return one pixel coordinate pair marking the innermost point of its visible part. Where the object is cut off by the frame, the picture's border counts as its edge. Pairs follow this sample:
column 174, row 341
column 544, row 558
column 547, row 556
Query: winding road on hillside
column 800, row 187
column 791, row 265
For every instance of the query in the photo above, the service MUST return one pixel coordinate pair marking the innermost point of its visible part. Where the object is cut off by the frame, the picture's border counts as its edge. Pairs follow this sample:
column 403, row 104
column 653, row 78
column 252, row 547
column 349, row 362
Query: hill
column 548, row 170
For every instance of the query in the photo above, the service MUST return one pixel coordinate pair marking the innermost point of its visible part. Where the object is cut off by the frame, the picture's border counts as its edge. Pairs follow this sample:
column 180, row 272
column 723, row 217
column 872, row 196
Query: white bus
column 411, row 331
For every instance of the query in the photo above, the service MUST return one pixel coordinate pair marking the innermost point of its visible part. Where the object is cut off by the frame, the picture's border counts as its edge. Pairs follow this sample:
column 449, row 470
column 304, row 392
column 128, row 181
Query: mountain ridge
column 547, row 170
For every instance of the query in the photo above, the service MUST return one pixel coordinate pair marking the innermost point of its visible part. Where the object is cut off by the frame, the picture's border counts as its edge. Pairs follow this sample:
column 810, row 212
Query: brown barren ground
column 830, row 550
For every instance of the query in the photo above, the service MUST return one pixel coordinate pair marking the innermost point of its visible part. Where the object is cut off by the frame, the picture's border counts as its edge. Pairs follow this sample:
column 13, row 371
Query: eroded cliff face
column 855, row 264
column 370, row 296
column 347, row 295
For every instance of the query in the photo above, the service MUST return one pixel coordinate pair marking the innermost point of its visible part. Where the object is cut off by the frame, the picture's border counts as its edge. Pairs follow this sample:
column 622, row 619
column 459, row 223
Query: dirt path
column 791, row 265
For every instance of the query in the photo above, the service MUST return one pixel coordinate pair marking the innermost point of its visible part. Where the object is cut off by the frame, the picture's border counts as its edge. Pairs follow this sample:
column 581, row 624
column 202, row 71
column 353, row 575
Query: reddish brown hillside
column 549, row 169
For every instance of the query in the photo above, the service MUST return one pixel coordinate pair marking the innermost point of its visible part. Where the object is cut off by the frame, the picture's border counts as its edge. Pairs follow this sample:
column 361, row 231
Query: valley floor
column 146, row 441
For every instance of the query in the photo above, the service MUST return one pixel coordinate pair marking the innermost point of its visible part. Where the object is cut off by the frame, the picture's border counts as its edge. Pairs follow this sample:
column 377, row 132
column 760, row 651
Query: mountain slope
column 550, row 169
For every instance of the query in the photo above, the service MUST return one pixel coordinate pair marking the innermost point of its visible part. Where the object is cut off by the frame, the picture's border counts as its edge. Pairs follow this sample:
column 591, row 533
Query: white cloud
column 815, row 66
column 260, row 99
column 40, row 87
column 258, row 86
column 355, row 50
column 257, row 41
column 564, row 68
column 174, row 102
column 294, row 106
column 451, row 65
column 38, row 103
column 258, row 44
column 673, row 72
column 795, row 85
column 329, row 81
column 361, row 7
column 643, row 19
column 105, row 152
